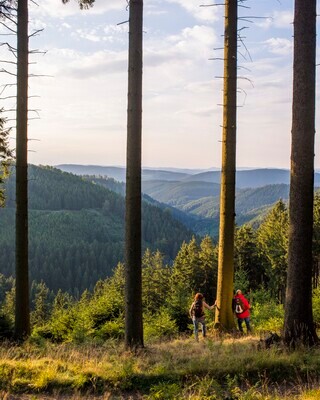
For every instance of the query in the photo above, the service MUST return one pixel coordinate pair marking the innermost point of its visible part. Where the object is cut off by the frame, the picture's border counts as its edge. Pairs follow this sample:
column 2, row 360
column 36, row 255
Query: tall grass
column 215, row 368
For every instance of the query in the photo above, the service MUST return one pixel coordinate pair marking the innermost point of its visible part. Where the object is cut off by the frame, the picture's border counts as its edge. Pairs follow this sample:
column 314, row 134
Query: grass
column 215, row 368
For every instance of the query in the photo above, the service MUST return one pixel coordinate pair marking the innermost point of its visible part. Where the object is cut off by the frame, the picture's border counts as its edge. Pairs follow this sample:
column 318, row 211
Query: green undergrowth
column 215, row 368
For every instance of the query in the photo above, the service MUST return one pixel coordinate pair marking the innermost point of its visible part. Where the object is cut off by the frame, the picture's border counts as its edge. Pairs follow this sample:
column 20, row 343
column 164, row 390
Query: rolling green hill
column 249, row 203
column 196, row 204
column 201, row 214
column 179, row 193
column 77, row 230
column 202, row 199
column 193, row 203
column 76, row 224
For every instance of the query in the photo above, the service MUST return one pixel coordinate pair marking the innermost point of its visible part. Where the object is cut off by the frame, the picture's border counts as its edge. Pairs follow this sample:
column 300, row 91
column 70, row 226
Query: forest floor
column 223, row 368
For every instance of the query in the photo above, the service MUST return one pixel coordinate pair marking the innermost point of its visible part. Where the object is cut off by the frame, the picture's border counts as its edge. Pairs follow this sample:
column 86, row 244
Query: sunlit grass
column 214, row 368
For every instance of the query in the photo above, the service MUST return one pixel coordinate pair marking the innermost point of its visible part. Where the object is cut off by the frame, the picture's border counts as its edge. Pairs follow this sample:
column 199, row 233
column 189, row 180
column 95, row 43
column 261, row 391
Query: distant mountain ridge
column 245, row 178
column 248, row 178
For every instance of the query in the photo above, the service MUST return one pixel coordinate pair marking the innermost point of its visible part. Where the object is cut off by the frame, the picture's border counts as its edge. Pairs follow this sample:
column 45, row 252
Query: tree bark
column 299, row 325
column 224, row 316
column 133, row 289
column 22, row 317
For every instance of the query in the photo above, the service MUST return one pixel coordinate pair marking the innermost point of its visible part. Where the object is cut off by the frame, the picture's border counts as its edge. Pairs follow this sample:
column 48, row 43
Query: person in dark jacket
column 241, row 309
column 197, row 314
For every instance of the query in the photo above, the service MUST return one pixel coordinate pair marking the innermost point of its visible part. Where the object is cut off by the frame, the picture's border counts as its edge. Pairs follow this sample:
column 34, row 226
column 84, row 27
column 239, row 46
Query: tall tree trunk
column 133, row 289
column 224, row 316
column 22, row 317
column 298, row 308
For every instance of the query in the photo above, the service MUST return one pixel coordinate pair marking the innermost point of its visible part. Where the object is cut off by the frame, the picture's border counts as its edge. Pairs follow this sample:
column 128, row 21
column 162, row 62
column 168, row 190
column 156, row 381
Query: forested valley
column 92, row 320
column 76, row 256
column 77, row 230
column 100, row 280
column 77, row 225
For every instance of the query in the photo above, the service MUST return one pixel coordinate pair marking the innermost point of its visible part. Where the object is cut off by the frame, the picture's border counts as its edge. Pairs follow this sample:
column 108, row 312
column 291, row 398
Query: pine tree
column 41, row 311
column 155, row 281
column 224, row 319
column 298, row 326
column 22, row 313
column 133, row 298
column 208, row 260
column 247, row 257
column 272, row 237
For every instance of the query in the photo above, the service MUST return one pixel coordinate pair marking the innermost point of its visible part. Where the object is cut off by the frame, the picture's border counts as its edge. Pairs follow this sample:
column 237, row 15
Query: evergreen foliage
column 6, row 157
column 272, row 238
column 201, row 200
column 74, row 299
column 194, row 270
column 248, row 256
column 76, row 230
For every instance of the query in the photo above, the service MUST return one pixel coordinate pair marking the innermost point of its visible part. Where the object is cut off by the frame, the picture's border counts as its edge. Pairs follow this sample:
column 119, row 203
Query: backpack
column 238, row 306
column 197, row 309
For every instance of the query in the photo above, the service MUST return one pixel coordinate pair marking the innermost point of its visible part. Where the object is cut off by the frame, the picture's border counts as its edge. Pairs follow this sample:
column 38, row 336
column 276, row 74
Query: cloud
column 279, row 46
column 86, row 100
column 176, row 56
column 195, row 8
column 278, row 19
column 65, row 25
column 90, row 35
column 191, row 43
column 113, row 34
column 199, row 36
column 36, row 25
column 153, row 9
column 283, row 19
column 77, row 65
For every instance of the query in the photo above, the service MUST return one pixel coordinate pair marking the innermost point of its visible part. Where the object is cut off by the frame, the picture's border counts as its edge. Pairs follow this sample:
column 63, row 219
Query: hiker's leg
column 247, row 321
column 204, row 328
column 195, row 328
column 240, row 320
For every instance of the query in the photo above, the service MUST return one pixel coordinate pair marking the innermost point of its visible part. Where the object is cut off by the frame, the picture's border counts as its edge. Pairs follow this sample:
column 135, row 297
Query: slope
column 246, row 200
column 179, row 193
column 77, row 230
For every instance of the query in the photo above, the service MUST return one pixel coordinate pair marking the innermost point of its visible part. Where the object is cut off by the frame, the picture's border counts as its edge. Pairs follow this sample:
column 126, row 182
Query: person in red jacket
column 241, row 308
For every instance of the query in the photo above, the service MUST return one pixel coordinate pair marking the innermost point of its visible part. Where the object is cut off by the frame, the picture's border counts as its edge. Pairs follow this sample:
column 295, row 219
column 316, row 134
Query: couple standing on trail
column 240, row 307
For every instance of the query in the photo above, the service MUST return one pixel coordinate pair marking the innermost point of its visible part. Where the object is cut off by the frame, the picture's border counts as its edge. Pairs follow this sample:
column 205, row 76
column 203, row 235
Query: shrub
column 316, row 305
column 267, row 314
column 59, row 328
column 164, row 391
column 111, row 330
column 160, row 325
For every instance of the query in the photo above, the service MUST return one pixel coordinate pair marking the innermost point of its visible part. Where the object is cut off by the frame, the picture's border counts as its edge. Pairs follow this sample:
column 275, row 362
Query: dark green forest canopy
column 77, row 230
column 76, row 226
column 6, row 157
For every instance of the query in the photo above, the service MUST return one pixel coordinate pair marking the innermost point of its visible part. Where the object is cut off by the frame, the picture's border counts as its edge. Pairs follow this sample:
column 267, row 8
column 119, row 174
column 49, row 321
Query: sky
column 78, row 87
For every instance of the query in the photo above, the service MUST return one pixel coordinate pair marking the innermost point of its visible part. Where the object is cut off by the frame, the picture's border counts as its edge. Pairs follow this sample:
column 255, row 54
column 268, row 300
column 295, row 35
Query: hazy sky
column 83, row 98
